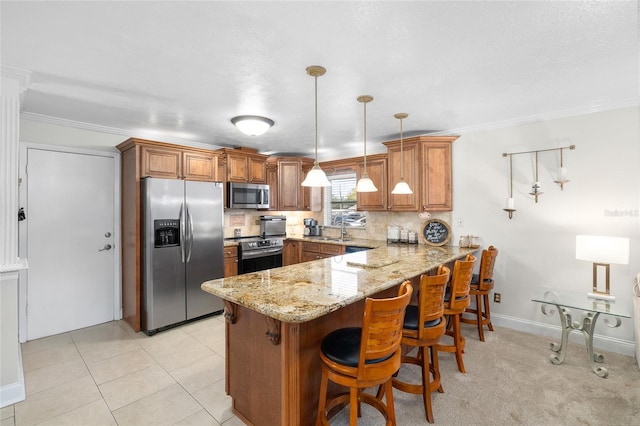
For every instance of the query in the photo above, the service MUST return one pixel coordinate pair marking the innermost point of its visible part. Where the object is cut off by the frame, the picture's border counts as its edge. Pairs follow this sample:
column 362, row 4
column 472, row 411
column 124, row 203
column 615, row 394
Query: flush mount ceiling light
column 316, row 177
column 365, row 184
column 252, row 125
column 402, row 187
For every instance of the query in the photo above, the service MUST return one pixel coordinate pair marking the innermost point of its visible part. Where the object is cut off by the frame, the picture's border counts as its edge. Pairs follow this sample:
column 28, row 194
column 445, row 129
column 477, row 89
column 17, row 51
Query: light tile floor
column 108, row 375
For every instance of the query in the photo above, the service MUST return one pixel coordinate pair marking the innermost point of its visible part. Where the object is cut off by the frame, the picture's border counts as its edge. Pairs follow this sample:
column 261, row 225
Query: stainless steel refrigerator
column 183, row 247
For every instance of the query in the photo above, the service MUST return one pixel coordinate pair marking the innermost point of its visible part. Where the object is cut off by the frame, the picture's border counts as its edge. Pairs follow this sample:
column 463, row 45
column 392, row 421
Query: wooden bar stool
column 424, row 325
column 456, row 301
column 481, row 286
column 362, row 357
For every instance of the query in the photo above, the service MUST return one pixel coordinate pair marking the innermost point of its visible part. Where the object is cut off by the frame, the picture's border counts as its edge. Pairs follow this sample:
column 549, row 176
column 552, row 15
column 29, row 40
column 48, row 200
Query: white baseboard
column 605, row 343
column 13, row 392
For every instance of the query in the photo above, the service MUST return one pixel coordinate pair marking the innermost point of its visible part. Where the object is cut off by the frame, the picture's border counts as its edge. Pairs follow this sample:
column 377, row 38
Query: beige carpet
column 510, row 381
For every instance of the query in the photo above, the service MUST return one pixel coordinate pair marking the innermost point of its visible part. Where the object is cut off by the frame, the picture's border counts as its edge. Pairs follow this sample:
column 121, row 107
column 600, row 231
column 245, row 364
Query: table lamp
column 602, row 251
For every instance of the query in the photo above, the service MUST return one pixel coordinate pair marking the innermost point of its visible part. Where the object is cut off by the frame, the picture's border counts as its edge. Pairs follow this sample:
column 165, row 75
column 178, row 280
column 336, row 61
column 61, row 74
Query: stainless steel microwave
column 247, row 196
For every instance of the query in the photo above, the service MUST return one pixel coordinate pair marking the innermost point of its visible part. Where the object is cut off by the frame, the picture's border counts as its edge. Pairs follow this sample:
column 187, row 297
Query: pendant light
column 365, row 184
column 315, row 176
column 402, row 187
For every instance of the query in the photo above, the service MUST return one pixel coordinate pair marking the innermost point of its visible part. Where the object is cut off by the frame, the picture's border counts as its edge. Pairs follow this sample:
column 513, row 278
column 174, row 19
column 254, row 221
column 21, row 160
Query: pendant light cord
column 401, row 154
column 316, row 106
column 365, row 137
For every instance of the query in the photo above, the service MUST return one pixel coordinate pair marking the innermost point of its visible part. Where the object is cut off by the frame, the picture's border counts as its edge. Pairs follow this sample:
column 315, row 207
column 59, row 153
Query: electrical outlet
column 460, row 223
column 496, row 297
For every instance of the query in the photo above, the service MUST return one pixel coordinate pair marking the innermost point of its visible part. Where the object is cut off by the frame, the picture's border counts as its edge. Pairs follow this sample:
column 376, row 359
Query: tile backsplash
column 247, row 221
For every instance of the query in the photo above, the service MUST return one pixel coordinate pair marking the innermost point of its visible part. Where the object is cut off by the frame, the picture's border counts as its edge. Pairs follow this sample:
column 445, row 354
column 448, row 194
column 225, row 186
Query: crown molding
column 547, row 116
column 112, row 130
column 22, row 75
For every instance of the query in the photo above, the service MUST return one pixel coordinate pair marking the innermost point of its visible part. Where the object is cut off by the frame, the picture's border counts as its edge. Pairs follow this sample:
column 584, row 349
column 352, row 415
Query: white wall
column 537, row 246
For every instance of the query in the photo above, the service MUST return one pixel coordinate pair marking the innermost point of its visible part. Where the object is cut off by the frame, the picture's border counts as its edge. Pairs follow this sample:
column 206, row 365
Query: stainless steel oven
column 258, row 254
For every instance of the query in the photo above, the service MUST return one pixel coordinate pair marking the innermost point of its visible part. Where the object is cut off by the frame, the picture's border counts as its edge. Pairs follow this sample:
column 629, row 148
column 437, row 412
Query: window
column 340, row 202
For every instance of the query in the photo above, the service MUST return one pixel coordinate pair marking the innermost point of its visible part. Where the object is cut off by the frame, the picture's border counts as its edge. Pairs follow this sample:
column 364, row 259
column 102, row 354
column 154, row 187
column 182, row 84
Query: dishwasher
column 354, row 249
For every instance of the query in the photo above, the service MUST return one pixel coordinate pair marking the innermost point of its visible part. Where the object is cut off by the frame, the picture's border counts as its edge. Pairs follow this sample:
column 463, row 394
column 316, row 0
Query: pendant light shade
column 316, row 177
column 402, row 187
column 365, row 184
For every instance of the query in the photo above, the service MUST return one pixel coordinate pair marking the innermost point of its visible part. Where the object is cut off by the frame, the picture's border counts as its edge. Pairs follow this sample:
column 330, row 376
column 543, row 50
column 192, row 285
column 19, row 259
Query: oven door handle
column 260, row 253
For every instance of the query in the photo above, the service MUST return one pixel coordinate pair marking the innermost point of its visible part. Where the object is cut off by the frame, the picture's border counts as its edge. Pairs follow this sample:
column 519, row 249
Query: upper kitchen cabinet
column 285, row 176
column 243, row 165
column 272, row 181
column 427, row 170
column 311, row 196
column 377, row 171
column 164, row 160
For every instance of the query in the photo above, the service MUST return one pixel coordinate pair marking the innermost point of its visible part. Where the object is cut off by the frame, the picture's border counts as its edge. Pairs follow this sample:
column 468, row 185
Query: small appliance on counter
column 311, row 228
column 273, row 226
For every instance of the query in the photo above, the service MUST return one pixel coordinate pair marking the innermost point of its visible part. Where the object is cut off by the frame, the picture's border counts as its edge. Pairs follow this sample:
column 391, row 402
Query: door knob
column 106, row 247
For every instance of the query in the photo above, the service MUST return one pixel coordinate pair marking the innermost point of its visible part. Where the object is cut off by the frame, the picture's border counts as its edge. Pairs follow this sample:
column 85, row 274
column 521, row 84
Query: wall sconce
column 510, row 207
column 535, row 186
column 252, row 125
column 602, row 251
column 561, row 177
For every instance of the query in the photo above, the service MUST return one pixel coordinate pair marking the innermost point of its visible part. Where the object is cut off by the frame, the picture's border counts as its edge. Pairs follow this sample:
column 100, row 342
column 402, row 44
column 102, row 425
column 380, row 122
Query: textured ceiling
column 179, row 71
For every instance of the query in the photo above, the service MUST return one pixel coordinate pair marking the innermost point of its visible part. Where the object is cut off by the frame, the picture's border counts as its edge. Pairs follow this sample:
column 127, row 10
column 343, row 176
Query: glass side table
column 564, row 301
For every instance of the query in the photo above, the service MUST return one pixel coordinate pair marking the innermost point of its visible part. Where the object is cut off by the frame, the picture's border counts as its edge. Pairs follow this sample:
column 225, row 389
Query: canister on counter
column 393, row 234
column 412, row 237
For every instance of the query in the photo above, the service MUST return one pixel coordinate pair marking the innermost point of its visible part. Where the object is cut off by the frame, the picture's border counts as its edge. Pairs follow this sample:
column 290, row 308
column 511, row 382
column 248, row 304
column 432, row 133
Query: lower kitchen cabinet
column 230, row 261
column 315, row 251
column 291, row 252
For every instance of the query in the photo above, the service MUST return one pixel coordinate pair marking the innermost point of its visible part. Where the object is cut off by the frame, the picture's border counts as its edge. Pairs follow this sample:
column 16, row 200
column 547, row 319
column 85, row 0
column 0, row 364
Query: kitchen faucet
column 343, row 231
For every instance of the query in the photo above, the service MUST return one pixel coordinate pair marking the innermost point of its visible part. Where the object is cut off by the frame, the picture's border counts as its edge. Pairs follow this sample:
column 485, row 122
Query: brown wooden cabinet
column 311, row 197
column 314, row 251
column 272, row 181
column 140, row 158
column 177, row 163
column 288, row 194
column 436, row 192
column 243, row 165
column 411, row 169
column 291, row 252
column 377, row 171
column 427, row 170
column 230, row 261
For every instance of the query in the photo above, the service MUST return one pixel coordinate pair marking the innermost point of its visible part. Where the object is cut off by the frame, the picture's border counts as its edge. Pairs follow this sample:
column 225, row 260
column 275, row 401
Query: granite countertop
column 306, row 291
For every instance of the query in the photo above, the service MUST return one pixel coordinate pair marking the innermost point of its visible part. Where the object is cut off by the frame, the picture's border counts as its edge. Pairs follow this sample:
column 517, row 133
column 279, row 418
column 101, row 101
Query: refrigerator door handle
column 190, row 236
column 182, row 232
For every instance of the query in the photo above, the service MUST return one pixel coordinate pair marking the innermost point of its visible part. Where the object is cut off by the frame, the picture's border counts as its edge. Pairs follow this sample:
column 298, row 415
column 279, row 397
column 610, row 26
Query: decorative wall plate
column 436, row 232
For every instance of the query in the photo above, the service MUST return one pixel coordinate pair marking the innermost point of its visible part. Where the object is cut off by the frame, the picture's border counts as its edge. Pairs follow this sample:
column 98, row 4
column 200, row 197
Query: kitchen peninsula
column 277, row 318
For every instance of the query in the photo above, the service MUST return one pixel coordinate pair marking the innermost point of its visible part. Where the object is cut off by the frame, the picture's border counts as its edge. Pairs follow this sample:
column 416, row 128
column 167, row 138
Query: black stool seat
column 411, row 319
column 343, row 346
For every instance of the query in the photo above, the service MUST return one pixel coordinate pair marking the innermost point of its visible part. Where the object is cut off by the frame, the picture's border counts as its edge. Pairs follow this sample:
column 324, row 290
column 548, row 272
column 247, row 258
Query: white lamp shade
column 601, row 249
column 365, row 184
column 316, row 178
column 252, row 125
column 402, row 188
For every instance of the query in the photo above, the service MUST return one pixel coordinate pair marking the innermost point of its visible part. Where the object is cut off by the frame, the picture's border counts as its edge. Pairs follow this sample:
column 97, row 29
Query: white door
column 70, row 227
